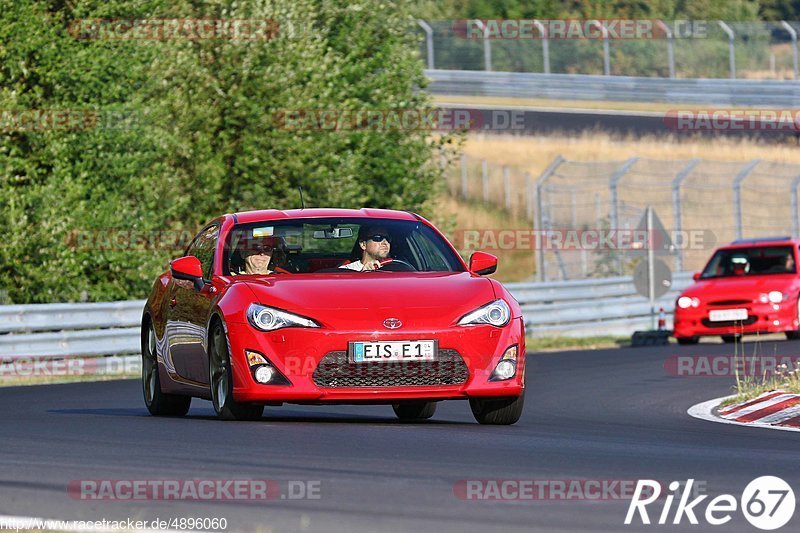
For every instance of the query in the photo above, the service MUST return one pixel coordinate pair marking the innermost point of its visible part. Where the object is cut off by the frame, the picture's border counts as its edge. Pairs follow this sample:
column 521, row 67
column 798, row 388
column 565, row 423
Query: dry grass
column 534, row 153
column 454, row 216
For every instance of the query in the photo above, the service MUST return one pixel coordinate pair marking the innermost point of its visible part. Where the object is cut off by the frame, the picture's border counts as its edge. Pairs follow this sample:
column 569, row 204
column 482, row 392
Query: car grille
column 728, row 323
column 335, row 370
column 730, row 302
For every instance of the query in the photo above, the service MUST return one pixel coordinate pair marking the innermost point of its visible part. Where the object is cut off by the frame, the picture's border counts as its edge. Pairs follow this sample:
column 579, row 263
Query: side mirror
column 482, row 263
column 188, row 268
column 696, row 276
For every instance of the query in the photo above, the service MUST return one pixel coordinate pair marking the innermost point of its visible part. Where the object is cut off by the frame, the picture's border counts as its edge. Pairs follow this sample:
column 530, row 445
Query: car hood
column 364, row 300
column 732, row 288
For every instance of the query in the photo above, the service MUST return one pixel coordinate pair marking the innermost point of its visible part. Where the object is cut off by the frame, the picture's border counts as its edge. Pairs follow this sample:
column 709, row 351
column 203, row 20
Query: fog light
column 264, row 374
column 505, row 369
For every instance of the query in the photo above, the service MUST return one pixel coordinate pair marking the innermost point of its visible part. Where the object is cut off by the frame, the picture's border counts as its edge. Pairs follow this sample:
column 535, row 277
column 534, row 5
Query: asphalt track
column 607, row 415
column 566, row 121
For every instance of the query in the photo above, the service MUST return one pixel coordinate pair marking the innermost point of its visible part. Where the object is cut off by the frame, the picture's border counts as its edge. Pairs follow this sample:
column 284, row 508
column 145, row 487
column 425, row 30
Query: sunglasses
column 259, row 249
column 379, row 238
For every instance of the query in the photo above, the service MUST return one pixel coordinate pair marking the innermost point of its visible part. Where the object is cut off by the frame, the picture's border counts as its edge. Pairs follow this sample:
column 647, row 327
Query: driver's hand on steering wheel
column 372, row 265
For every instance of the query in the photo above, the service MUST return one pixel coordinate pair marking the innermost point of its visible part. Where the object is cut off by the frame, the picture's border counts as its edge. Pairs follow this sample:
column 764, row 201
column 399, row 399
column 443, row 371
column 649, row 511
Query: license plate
column 727, row 315
column 389, row 351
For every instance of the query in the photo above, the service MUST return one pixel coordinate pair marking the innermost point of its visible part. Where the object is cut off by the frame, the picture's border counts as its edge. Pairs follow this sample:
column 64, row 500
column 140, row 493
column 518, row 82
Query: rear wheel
column 687, row 340
column 157, row 402
column 502, row 411
column 221, row 381
column 414, row 410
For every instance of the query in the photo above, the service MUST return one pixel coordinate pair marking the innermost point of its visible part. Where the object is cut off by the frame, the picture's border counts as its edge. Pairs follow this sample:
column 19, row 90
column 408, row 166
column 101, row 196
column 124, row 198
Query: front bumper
column 762, row 318
column 297, row 352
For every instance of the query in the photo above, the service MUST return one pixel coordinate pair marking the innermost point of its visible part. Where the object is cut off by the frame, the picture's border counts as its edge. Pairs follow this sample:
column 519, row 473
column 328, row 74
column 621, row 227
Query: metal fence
column 675, row 49
column 701, row 204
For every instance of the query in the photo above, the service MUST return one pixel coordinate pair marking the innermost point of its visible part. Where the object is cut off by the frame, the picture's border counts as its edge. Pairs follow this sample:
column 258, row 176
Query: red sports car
column 324, row 306
column 749, row 286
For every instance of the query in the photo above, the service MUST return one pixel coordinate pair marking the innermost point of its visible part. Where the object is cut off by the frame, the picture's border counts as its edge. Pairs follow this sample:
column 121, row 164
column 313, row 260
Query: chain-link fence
column 700, row 203
column 682, row 49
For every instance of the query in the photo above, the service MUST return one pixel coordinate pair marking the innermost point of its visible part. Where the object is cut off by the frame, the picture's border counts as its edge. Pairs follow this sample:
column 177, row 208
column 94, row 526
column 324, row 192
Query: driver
column 375, row 244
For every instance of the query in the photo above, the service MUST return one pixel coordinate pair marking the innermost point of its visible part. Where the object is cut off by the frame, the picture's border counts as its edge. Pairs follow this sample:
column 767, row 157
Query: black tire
column 221, row 381
column 685, row 341
column 730, row 339
column 504, row 411
column 793, row 335
column 414, row 410
column 157, row 402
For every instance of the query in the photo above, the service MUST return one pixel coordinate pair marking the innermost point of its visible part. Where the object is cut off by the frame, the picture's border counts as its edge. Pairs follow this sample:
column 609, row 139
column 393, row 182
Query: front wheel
column 414, row 410
column 221, row 381
column 504, row 411
column 795, row 334
column 684, row 341
column 730, row 339
column 157, row 402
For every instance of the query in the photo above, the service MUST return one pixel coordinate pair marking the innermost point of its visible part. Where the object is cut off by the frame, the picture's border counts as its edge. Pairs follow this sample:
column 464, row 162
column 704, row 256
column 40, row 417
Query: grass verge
column 553, row 344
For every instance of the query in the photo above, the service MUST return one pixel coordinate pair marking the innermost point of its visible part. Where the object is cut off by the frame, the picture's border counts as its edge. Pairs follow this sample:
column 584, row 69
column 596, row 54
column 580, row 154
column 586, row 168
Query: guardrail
column 719, row 92
column 607, row 306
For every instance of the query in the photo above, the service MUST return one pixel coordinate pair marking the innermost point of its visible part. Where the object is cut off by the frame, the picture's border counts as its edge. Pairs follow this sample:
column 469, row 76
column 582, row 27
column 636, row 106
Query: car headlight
column 684, row 302
column 496, row 313
column 776, row 297
column 269, row 318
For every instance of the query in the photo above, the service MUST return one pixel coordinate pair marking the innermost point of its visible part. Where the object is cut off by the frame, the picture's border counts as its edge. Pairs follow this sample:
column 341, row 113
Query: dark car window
column 203, row 246
column 754, row 261
column 309, row 245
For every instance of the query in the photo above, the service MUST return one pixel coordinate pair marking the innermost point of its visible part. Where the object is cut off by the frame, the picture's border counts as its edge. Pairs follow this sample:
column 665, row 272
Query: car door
column 188, row 311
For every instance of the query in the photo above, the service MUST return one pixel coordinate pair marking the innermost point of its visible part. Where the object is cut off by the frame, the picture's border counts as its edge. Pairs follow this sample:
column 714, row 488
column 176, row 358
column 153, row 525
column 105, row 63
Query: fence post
column 795, row 220
column 428, row 41
column 606, row 52
column 529, row 196
column 485, row 180
column 487, row 47
column 507, row 187
column 464, row 183
column 613, row 182
column 676, row 208
column 545, row 45
column 670, row 50
column 731, row 49
column 540, row 219
column 737, row 194
column 793, row 35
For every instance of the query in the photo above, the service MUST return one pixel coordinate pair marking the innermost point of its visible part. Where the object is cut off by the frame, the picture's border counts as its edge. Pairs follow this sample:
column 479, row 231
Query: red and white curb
column 772, row 410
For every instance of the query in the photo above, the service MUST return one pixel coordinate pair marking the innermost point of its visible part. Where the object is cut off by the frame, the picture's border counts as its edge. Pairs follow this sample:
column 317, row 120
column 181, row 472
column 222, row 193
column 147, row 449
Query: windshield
column 304, row 246
column 755, row 261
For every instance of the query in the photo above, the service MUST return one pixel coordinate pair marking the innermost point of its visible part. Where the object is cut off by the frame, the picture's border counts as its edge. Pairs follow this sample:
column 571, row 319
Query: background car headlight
column 496, row 313
column 269, row 318
column 684, row 302
column 775, row 297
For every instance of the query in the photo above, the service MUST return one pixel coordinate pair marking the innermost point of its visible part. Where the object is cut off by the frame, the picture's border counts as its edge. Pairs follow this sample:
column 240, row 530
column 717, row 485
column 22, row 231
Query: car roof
column 761, row 242
column 245, row 217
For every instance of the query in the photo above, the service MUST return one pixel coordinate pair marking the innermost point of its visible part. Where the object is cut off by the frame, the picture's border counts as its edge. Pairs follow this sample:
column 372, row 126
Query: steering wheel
column 405, row 266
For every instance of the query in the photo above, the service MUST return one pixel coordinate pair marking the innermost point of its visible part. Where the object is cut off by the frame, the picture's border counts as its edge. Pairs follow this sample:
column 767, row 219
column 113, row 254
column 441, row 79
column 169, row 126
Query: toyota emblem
column 392, row 323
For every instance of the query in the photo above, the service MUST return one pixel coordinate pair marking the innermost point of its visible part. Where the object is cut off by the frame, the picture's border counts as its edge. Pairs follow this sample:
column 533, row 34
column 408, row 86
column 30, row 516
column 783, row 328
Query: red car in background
column 750, row 286
column 421, row 327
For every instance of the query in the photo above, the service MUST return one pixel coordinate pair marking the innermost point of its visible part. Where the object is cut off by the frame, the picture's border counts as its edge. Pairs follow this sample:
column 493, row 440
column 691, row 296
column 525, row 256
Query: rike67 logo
column 767, row 503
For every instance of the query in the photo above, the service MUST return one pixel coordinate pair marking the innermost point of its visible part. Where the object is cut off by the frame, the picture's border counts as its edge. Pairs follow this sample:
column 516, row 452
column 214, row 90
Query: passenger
column 374, row 245
column 257, row 254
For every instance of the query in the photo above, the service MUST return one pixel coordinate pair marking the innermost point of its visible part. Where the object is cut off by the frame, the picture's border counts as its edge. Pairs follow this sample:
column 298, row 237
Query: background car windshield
column 754, row 261
column 322, row 244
